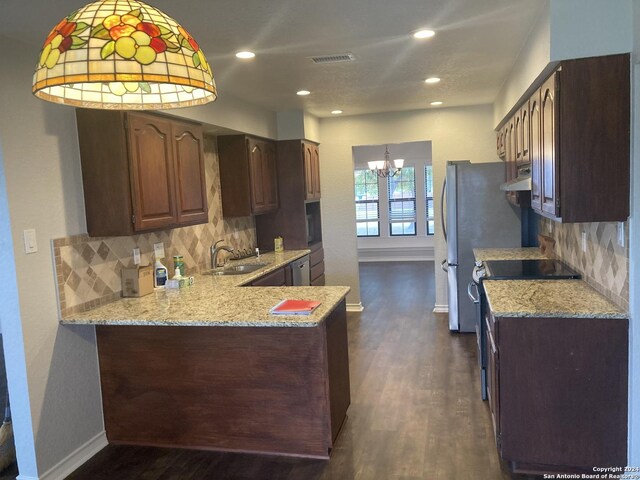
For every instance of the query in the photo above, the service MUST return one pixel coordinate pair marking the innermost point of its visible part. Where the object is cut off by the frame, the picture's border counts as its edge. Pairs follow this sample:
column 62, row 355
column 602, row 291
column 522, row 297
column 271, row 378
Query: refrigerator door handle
column 442, row 201
column 471, row 296
column 444, row 266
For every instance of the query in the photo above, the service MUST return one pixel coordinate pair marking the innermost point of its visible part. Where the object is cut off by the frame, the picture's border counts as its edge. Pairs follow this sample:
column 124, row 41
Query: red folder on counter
column 295, row 307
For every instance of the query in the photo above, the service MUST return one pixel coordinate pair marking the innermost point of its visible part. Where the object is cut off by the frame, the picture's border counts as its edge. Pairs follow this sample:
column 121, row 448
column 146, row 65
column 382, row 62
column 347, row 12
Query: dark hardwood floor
column 416, row 411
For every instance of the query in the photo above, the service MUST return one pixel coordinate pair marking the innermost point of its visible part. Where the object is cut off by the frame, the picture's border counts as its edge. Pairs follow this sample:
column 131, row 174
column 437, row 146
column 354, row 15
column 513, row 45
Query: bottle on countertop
column 159, row 275
column 178, row 262
column 278, row 244
column 182, row 281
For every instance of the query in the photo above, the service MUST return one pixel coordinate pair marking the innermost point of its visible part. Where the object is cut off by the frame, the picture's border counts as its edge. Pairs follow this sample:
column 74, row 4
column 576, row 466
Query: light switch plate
column 30, row 242
column 584, row 242
column 621, row 234
column 136, row 256
column 158, row 250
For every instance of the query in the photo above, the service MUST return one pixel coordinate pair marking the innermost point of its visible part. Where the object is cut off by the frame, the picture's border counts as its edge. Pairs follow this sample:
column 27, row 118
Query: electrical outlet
column 158, row 250
column 30, row 242
column 136, row 256
column 584, row 242
column 621, row 234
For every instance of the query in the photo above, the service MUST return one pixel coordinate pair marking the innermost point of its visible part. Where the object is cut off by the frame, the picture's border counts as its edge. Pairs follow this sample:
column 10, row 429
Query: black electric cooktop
column 528, row 269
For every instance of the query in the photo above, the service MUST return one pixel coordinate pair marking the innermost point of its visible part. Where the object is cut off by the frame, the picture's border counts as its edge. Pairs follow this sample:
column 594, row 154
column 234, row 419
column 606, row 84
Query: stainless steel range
column 507, row 270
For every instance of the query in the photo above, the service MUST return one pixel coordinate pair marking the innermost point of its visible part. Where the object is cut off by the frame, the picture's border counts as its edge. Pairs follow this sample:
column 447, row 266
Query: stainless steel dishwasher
column 300, row 272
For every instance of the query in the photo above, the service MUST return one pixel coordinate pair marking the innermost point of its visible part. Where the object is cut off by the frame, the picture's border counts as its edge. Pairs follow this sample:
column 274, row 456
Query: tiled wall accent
column 88, row 268
column 605, row 264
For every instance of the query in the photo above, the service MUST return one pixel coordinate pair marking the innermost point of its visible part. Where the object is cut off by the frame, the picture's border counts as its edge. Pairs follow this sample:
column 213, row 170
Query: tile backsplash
column 605, row 264
column 88, row 268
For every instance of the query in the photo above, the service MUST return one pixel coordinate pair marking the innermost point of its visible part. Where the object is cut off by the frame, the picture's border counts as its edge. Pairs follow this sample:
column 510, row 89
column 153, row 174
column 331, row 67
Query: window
column 428, row 187
column 402, row 203
column 367, row 206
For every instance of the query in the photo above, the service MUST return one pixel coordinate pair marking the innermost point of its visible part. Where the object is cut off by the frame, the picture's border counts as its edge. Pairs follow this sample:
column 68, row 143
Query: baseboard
column 395, row 254
column 74, row 460
column 441, row 309
column 355, row 307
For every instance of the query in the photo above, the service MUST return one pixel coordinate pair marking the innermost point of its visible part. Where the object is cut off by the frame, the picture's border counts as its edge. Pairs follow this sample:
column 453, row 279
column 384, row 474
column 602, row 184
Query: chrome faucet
column 215, row 250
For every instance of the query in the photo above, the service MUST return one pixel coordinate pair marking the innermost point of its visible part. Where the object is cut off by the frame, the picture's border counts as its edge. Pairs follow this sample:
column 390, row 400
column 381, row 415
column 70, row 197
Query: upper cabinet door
column 152, row 172
column 517, row 139
column 534, row 151
column 525, row 134
column 311, row 158
column 316, row 172
column 270, row 176
column 548, row 132
column 190, row 176
column 262, row 175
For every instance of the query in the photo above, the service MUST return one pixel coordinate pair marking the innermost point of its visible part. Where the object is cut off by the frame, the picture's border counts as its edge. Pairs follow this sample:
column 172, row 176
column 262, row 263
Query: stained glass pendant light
column 123, row 55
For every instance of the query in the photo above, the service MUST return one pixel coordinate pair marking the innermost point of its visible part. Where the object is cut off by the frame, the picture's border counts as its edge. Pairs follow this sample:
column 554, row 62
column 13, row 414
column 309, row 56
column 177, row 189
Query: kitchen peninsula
column 208, row 367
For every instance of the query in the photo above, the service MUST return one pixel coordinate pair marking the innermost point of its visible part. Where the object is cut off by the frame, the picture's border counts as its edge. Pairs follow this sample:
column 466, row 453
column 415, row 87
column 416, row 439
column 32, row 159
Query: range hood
column 521, row 183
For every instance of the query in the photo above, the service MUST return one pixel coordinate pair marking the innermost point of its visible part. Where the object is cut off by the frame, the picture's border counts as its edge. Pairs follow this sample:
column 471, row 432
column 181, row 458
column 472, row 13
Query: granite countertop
column 219, row 300
column 525, row 253
column 548, row 299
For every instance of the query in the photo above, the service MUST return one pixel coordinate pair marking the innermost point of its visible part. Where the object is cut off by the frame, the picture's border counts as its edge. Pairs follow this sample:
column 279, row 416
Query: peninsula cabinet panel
column 277, row 390
column 562, row 392
column 248, row 175
column 140, row 172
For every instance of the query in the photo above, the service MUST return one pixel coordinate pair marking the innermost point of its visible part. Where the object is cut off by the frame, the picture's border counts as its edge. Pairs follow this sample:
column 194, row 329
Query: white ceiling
column 476, row 44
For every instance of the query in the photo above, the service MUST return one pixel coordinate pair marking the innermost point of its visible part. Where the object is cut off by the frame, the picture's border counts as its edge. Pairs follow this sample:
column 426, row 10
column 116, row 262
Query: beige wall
column 532, row 60
column 59, row 406
column 464, row 133
column 44, row 190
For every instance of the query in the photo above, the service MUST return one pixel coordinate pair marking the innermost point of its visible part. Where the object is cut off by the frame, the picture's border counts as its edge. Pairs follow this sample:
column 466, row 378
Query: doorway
column 394, row 213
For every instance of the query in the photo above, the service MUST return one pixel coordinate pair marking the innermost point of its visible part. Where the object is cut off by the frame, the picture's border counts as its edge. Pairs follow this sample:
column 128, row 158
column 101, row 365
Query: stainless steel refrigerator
column 475, row 214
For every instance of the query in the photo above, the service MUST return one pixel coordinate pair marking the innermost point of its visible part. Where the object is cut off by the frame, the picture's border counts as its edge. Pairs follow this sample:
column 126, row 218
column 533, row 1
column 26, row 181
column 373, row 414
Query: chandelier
column 384, row 168
column 124, row 55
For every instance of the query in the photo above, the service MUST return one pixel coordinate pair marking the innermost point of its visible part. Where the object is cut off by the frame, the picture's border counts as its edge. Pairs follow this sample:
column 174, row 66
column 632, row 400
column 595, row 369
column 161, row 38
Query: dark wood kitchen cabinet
column 548, row 131
column 535, row 153
column 248, row 175
column 524, row 135
column 513, row 153
column 311, row 170
column 277, row 278
column 580, row 141
column 557, row 391
column 298, row 220
column 140, row 172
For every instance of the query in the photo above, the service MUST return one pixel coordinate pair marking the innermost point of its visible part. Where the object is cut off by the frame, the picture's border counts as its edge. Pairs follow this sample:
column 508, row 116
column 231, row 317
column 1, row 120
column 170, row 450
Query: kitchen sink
column 236, row 269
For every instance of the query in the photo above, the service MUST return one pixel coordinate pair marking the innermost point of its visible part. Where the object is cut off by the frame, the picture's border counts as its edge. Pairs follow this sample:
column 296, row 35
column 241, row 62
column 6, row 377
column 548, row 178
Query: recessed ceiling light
column 423, row 34
column 435, row 104
column 302, row 93
column 245, row 55
column 432, row 80
column 336, row 112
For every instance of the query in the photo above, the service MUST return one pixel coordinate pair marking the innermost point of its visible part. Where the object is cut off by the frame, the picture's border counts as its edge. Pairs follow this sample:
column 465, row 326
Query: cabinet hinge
column 133, row 218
